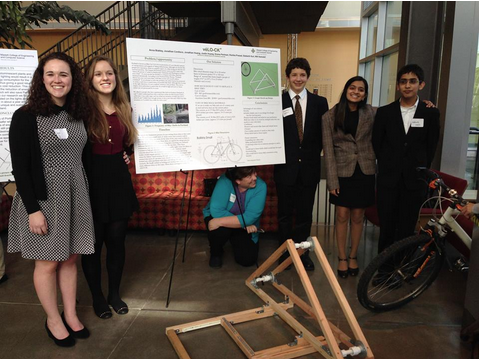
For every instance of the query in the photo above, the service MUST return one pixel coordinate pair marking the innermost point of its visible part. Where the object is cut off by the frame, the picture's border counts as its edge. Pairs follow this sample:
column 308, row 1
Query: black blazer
column 399, row 154
column 302, row 159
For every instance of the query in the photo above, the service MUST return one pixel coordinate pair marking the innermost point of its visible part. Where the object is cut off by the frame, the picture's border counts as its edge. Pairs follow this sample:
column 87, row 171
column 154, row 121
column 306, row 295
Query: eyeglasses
column 411, row 81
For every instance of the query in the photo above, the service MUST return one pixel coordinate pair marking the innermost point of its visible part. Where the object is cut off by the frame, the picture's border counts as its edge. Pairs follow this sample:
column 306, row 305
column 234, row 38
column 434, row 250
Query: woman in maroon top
column 111, row 134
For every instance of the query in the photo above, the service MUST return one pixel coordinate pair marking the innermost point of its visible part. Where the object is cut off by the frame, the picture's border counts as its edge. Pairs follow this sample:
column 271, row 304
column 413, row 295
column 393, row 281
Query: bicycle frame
column 448, row 218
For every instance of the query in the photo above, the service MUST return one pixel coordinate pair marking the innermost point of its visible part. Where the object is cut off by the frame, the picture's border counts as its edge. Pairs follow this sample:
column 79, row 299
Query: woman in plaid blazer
column 350, row 166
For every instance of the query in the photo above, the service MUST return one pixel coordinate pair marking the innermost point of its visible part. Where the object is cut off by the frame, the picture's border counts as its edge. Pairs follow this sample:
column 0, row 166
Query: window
column 472, row 165
column 393, row 23
column 379, row 47
column 388, row 79
column 369, row 76
column 372, row 34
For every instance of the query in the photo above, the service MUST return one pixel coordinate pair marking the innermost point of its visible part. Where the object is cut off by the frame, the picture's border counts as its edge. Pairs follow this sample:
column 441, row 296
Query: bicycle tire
column 392, row 278
column 209, row 154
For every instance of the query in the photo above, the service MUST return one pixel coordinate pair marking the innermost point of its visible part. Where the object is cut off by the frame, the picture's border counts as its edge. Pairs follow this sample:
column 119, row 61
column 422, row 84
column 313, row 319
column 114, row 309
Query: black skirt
column 357, row 191
column 111, row 191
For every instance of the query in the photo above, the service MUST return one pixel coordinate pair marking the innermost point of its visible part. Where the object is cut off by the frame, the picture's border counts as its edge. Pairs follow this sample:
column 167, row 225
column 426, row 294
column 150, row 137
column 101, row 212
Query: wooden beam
column 239, row 340
column 313, row 299
column 338, row 292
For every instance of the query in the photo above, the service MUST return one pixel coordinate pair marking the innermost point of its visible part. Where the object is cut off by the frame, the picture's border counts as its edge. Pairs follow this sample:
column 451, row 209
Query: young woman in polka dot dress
column 51, row 220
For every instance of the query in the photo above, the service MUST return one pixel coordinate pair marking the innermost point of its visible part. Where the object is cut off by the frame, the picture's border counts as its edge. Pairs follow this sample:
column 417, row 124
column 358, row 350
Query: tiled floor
column 426, row 328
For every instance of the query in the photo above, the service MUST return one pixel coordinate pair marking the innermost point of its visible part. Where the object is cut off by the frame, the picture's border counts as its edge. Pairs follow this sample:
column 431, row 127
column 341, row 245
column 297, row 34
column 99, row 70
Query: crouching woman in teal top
column 233, row 214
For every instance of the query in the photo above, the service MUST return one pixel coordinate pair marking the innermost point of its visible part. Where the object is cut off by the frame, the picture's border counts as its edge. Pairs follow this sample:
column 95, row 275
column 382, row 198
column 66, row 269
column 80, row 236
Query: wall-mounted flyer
column 199, row 106
column 16, row 72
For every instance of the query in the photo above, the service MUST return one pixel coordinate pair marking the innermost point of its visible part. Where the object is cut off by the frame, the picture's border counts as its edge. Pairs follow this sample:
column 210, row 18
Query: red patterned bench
column 160, row 196
column 5, row 212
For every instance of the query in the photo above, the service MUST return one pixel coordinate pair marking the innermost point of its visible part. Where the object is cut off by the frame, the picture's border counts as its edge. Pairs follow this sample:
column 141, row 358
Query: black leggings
column 113, row 235
column 244, row 249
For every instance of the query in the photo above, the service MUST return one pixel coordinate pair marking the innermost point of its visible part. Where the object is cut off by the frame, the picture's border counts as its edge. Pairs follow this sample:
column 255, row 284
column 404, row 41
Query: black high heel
column 353, row 272
column 343, row 273
column 67, row 342
column 80, row 334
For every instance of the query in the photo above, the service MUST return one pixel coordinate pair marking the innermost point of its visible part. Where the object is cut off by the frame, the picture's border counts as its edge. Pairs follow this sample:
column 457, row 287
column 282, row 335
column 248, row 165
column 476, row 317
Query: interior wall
column 332, row 54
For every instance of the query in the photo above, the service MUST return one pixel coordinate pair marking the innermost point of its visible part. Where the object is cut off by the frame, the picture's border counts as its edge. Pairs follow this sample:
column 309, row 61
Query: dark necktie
column 298, row 113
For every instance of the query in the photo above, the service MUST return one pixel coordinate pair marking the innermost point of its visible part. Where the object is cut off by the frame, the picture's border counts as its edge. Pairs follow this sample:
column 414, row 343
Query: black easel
column 179, row 228
column 4, row 185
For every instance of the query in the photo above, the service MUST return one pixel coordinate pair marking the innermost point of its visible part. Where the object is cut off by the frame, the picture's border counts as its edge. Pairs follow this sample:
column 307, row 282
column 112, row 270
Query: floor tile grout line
column 178, row 254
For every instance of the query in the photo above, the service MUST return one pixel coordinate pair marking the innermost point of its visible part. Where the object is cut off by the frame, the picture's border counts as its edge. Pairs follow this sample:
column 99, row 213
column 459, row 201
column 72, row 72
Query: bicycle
column 213, row 153
column 408, row 267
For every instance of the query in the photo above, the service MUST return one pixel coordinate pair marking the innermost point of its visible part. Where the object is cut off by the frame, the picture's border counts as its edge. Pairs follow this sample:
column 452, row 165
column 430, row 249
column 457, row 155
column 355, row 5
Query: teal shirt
column 222, row 201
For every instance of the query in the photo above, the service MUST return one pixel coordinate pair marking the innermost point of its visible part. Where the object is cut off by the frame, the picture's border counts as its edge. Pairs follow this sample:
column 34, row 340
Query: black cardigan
column 27, row 160
column 26, row 157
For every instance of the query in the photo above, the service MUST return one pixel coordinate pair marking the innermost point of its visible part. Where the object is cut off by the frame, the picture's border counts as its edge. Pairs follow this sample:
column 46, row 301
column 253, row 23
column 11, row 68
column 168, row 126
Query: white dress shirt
column 408, row 114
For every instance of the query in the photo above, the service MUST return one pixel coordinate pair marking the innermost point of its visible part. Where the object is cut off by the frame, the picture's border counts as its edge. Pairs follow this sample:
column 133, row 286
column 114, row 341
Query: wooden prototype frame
column 305, row 342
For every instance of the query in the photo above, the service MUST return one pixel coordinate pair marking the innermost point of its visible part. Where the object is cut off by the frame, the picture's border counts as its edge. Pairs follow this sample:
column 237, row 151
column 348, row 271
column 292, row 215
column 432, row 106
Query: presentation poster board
column 16, row 72
column 199, row 106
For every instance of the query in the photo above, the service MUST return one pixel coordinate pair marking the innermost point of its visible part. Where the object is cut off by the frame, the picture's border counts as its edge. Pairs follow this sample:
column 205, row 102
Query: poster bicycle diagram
column 199, row 106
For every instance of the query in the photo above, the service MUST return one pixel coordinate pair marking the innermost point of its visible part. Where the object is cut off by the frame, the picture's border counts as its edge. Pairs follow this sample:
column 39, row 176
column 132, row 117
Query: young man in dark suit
column 405, row 136
column 296, row 180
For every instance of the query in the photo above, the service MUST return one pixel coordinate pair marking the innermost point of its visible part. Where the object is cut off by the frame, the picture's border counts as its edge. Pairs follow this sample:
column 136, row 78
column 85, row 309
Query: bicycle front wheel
column 400, row 273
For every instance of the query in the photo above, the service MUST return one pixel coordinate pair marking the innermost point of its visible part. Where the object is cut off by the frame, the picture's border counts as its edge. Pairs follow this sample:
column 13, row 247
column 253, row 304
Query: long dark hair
column 39, row 101
column 342, row 107
column 98, row 124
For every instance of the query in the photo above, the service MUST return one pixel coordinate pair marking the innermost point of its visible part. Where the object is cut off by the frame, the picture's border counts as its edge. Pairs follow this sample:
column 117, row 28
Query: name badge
column 232, row 198
column 61, row 133
column 287, row 112
column 417, row 122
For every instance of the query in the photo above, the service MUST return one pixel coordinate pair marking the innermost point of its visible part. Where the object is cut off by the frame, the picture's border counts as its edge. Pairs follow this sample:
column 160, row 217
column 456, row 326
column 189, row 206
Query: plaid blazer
column 342, row 151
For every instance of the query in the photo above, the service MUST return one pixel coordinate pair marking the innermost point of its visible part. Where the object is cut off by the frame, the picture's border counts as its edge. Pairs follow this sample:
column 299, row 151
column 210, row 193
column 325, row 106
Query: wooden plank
column 338, row 333
column 239, row 340
column 338, row 292
column 288, row 261
column 288, row 352
column 292, row 322
column 313, row 299
column 268, row 263
column 239, row 317
column 177, row 345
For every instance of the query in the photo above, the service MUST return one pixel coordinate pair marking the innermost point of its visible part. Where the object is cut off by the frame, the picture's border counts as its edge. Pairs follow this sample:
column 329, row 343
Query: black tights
column 113, row 235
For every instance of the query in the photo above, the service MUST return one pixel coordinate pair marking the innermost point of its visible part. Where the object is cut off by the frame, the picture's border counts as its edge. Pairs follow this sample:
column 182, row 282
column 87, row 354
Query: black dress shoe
column 4, row 278
column 343, row 273
column 307, row 262
column 79, row 334
column 216, row 262
column 67, row 342
column 119, row 306
column 283, row 257
column 101, row 309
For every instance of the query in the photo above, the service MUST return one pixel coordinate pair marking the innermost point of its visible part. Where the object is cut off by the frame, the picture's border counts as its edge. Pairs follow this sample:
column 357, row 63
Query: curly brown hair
column 39, row 101
column 98, row 130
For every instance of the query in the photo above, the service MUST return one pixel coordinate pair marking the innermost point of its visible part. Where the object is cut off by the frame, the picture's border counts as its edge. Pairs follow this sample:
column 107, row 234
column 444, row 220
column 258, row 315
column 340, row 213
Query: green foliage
column 15, row 20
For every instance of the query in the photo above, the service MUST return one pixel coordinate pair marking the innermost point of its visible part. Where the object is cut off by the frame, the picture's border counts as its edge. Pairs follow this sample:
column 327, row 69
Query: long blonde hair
column 98, row 129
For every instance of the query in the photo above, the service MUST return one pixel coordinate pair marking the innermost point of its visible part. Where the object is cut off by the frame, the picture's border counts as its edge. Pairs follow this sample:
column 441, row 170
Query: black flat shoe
column 67, row 342
column 353, row 272
column 216, row 262
column 119, row 306
column 343, row 273
column 102, row 310
column 79, row 334
column 307, row 262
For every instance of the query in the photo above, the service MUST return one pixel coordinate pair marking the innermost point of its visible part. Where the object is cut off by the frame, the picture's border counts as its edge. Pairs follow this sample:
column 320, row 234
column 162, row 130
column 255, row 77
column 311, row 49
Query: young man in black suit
column 405, row 136
column 296, row 180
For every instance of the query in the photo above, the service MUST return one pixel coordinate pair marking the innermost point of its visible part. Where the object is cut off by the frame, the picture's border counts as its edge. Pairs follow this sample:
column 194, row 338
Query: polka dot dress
column 67, row 208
